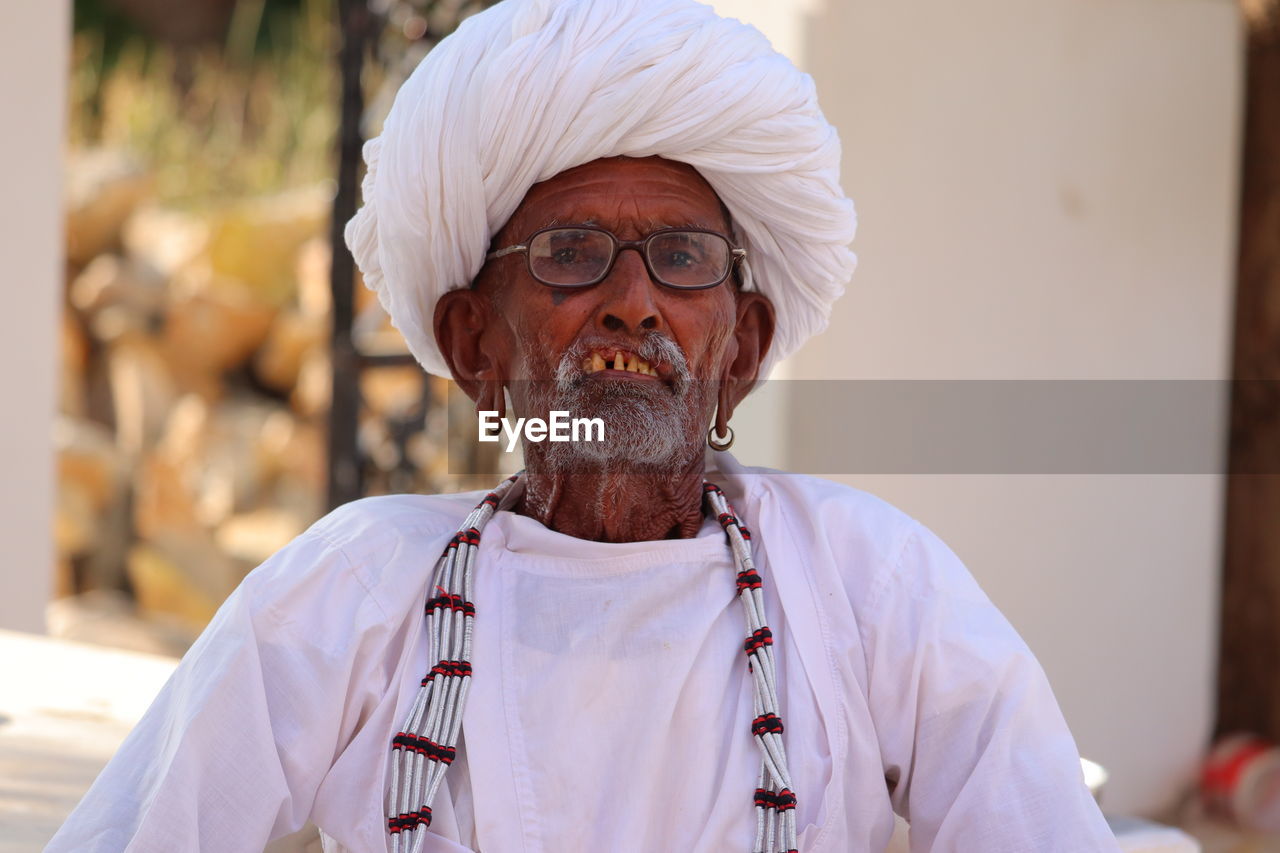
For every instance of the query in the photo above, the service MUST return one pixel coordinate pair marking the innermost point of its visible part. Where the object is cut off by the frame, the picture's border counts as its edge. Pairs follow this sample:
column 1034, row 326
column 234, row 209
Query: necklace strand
column 427, row 744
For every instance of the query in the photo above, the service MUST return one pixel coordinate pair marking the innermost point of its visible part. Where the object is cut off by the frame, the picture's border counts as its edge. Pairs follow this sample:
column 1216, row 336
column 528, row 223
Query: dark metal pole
column 1249, row 647
column 344, row 460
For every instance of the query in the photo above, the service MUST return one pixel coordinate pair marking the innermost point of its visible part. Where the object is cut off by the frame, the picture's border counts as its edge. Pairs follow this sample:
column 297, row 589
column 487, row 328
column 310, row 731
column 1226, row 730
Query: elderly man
column 625, row 210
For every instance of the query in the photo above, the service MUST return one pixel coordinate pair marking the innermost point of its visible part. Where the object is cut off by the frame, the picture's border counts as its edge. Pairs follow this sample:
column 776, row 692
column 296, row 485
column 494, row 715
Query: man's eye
column 680, row 260
column 576, row 253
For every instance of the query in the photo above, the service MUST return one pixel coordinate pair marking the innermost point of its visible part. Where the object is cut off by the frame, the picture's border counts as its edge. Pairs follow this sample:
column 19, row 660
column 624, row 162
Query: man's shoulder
column 821, row 491
column 841, row 515
column 362, row 523
column 367, row 551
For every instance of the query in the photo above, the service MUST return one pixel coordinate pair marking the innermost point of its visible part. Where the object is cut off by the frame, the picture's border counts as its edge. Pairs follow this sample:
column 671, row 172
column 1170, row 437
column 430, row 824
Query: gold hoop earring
column 719, row 446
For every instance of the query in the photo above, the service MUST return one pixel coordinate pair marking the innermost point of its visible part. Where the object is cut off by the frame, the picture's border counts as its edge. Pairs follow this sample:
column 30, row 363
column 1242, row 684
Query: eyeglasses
column 580, row 256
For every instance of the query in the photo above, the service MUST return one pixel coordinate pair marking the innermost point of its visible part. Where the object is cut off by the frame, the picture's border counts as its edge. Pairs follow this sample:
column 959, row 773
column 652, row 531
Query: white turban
column 530, row 88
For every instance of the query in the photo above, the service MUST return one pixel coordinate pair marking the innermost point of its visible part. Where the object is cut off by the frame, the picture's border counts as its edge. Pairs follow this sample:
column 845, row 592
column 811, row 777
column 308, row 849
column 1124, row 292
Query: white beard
column 645, row 425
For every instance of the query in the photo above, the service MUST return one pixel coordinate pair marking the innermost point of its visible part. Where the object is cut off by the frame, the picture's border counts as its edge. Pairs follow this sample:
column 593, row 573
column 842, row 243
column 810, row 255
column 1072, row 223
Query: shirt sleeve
column 975, row 748
column 232, row 751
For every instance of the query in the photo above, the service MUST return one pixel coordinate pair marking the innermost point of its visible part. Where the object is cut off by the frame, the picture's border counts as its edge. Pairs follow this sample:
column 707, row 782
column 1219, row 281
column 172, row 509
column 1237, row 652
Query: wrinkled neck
column 615, row 505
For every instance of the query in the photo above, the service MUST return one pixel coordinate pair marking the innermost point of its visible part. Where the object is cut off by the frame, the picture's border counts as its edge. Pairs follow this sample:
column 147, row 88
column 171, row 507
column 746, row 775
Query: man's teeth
column 620, row 362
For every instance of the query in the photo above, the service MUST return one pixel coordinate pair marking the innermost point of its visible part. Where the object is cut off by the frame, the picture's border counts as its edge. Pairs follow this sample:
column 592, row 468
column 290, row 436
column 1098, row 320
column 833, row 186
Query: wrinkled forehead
column 627, row 193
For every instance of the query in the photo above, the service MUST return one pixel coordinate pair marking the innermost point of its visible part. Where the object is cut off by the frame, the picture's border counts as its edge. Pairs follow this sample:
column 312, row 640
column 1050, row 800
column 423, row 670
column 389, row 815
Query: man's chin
column 642, row 435
column 600, row 392
column 613, row 465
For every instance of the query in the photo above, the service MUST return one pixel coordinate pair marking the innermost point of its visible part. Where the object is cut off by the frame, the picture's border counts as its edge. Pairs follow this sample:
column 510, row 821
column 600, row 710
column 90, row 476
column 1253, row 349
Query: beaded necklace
column 427, row 744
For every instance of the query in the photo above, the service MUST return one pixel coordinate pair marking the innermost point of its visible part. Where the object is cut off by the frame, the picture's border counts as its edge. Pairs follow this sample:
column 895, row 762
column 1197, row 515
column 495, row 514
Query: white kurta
column 610, row 706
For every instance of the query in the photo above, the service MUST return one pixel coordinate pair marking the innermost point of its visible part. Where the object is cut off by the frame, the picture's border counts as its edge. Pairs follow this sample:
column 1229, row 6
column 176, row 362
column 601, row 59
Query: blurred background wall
column 1046, row 191
column 33, row 73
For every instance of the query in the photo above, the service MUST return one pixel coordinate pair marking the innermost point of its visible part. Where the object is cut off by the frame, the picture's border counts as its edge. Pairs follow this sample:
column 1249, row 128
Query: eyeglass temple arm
column 502, row 253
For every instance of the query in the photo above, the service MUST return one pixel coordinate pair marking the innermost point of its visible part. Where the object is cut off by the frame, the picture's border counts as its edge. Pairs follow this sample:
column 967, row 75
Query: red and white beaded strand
column 775, row 800
column 427, row 744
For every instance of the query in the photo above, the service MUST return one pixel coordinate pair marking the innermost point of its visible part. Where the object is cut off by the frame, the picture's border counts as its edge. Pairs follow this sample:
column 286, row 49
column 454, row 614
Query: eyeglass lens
column 579, row 256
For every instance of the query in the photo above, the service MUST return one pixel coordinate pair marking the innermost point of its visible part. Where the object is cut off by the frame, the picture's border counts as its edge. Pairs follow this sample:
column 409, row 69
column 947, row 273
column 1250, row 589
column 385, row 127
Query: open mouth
column 614, row 360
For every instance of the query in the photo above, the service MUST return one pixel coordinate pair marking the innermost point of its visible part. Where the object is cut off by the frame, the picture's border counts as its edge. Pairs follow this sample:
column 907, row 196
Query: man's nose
column 628, row 302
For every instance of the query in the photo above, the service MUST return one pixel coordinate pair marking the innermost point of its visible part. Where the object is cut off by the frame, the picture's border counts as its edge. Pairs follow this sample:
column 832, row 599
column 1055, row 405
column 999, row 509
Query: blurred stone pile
column 195, row 391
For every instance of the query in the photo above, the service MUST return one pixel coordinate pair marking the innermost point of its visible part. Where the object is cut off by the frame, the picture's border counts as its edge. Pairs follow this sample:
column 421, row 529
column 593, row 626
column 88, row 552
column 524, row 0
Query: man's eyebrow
column 556, row 221
column 647, row 225
column 659, row 224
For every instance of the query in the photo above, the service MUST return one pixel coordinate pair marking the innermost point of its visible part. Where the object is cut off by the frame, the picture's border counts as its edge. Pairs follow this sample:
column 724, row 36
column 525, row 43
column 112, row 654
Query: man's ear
column 752, row 335
column 463, row 332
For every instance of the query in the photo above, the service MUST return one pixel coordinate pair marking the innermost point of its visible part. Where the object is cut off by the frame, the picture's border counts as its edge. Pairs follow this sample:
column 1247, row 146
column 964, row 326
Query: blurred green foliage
column 250, row 113
column 242, row 102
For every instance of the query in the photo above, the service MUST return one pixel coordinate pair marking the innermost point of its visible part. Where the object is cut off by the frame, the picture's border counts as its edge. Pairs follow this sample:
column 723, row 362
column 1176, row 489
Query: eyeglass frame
column 736, row 255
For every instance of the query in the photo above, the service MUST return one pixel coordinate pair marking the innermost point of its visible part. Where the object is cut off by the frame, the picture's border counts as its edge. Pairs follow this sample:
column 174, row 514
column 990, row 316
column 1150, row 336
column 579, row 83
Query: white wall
column 34, row 37
column 1047, row 190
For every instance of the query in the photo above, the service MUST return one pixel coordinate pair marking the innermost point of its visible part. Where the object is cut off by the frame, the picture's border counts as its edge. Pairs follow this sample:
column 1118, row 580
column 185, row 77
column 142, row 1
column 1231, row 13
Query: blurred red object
column 1240, row 781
